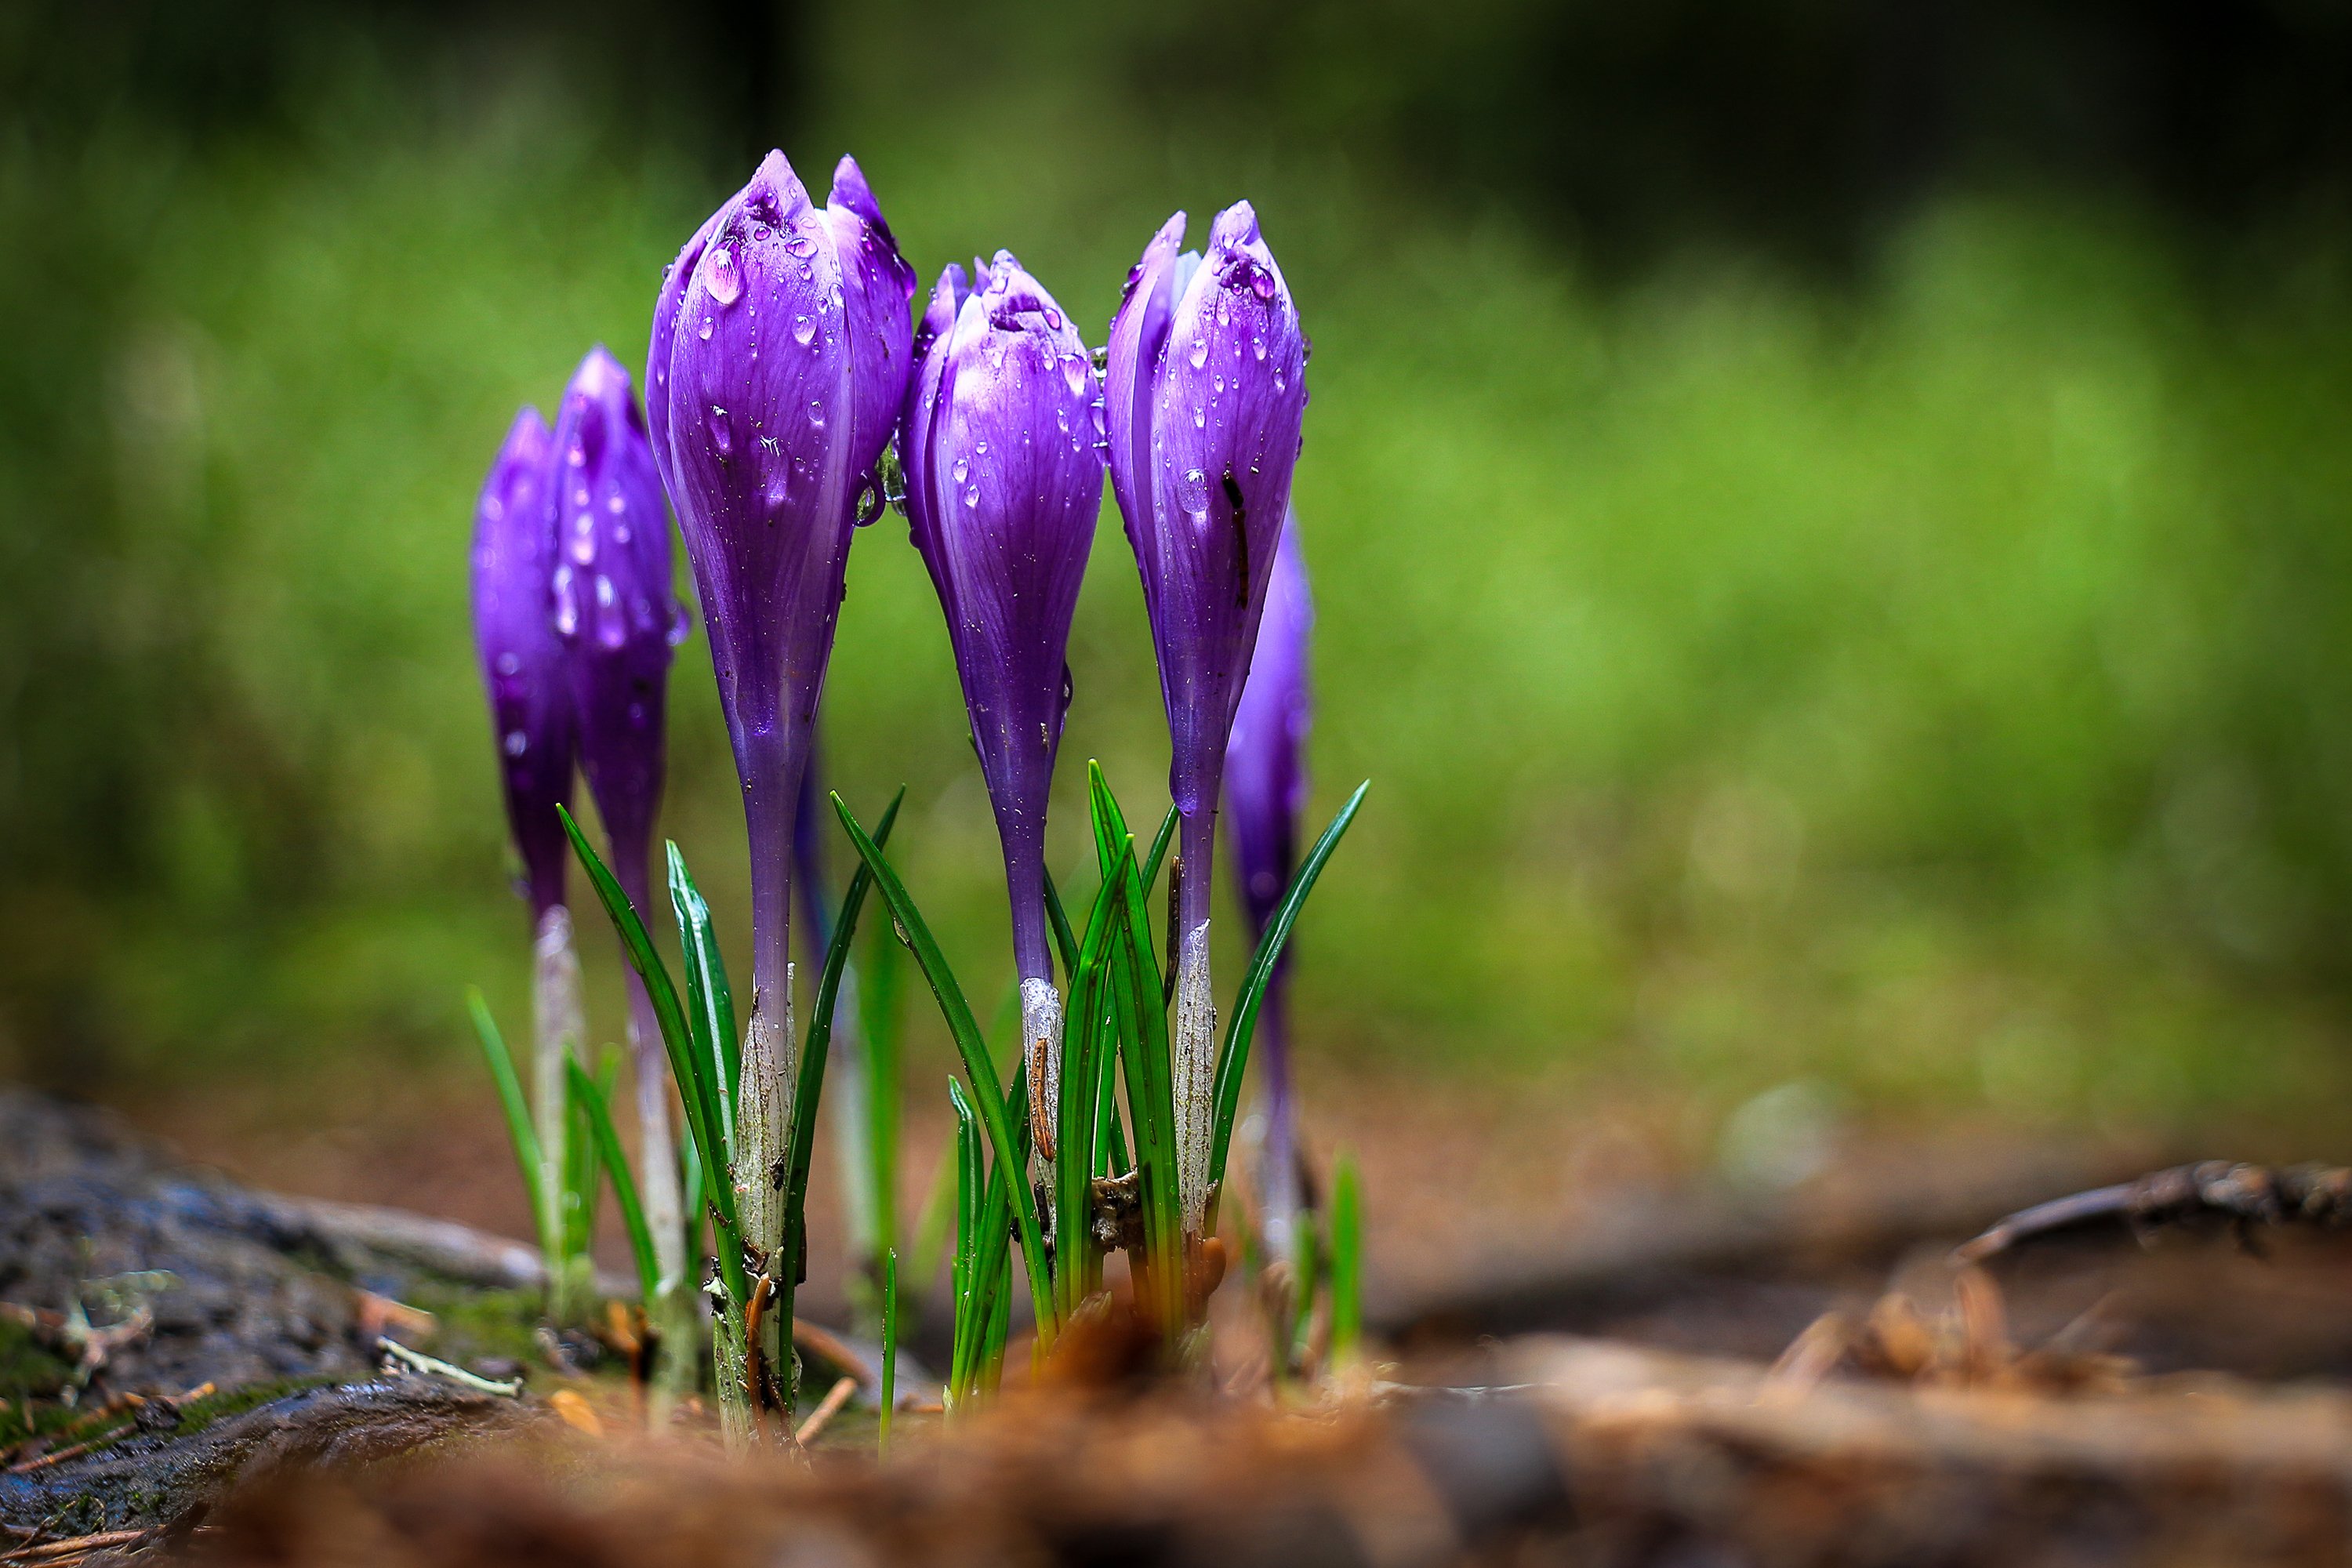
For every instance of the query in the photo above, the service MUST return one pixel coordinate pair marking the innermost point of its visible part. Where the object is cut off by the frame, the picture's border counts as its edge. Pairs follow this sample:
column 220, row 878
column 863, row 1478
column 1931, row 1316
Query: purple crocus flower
column 522, row 659
column 1205, row 392
column 526, row 669
column 1004, row 479
column 779, row 363
column 1266, row 793
column 619, row 621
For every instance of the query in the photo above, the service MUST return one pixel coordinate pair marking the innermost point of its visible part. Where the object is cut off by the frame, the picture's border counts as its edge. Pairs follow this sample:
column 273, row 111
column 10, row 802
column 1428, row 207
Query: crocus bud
column 1204, row 393
column 1266, row 793
column 1004, row 479
column 523, row 662
column 779, row 358
column 619, row 621
column 613, row 605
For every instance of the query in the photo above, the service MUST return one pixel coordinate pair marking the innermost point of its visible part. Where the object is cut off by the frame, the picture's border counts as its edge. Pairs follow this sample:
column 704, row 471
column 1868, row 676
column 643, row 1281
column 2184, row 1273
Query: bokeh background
column 1832, row 519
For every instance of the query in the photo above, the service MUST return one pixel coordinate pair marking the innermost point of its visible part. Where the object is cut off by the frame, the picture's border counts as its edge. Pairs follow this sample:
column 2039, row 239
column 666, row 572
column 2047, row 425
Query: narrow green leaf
column 889, row 1346
column 691, row 1073
column 1144, row 1049
column 511, row 1100
column 598, row 1115
column 709, row 1002
column 801, row 1150
column 977, row 1065
column 970, row 1179
column 1159, row 842
column 1347, row 1262
column 1233, row 1061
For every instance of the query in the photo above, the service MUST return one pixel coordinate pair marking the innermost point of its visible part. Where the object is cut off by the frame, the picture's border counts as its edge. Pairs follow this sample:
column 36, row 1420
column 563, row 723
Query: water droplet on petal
column 724, row 280
column 1192, row 492
column 1257, row 347
column 803, row 329
column 816, row 413
column 722, row 439
column 971, row 496
column 705, row 333
column 516, row 743
column 1074, row 371
column 509, row 663
column 1200, row 352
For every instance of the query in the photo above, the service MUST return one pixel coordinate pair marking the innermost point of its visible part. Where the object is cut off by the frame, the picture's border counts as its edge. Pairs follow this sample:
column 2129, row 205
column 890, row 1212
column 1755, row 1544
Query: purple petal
column 523, row 663
column 613, row 603
column 1005, row 481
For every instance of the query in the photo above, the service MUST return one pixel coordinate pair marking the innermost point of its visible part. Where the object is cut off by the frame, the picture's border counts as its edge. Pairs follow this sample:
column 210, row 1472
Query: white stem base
column 1195, row 1052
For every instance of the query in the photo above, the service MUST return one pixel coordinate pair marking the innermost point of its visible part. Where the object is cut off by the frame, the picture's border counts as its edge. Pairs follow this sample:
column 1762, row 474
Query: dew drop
column 516, row 743
column 509, row 663
column 803, row 329
column 724, row 280
column 721, row 438
column 1074, row 371
column 705, row 333
column 816, row 413
column 971, row 496
column 1200, row 353
column 1192, row 492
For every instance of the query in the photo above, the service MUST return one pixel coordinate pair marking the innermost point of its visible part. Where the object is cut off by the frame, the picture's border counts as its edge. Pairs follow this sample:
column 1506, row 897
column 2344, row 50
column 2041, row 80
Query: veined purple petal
column 613, row 603
column 787, row 342
column 1266, row 759
column 1206, row 403
column 523, row 666
column 1003, row 482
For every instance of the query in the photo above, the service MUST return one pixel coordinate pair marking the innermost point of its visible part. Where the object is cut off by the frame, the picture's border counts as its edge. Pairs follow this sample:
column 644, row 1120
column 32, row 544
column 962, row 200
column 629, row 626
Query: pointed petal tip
column 850, row 190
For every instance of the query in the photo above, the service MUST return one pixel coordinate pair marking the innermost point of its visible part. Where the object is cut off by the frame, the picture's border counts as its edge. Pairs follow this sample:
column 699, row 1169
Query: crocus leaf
column 511, row 1100
column 591, row 1100
column 709, row 1002
column 1233, row 1061
column 978, row 1069
column 802, row 1149
column 693, row 1082
column 1347, row 1262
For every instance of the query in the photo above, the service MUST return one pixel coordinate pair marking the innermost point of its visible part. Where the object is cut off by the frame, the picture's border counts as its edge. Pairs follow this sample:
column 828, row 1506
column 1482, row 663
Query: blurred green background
column 1831, row 520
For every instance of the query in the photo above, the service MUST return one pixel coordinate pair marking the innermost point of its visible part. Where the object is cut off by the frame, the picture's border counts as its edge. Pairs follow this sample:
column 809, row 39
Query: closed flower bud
column 522, row 659
column 1004, row 480
column 1205, row 394
column 778, row 363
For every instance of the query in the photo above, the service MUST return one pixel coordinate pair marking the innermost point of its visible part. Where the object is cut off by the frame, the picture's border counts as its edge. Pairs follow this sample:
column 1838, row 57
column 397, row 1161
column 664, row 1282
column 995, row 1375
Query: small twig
column 2240, row 1195
column 60, row 1456
column 79, row 1545
column 399, row 1357
column 827, row 1408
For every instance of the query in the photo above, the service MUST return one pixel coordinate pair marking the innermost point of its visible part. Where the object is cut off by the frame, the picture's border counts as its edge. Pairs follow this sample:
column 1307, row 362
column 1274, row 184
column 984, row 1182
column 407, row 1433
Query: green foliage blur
column 1914, row 657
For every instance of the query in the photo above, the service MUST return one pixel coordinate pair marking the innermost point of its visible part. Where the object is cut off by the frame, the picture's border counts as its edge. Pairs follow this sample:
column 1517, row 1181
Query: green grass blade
column 709, row 1002
column 1347, row 1262
column 978, row 1069
column 594, row 1102
column 889, row 1346
column 933, row 1221
column 878, row 1011
column 1066, row 942
column 1076, row 1261
column 691, row 1072
column 1143, row 1048
column 690, row 1159
column 801, row 1149
column 518, row 1112
column 1233, row 1061
column 971, row 1177
column 1159, row 842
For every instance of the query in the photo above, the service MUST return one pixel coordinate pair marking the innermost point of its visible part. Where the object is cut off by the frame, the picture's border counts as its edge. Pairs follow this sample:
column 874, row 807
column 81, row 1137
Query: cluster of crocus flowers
column 1004, row 477
column 1205, row 394
column 779, row 363
column 1266, row 794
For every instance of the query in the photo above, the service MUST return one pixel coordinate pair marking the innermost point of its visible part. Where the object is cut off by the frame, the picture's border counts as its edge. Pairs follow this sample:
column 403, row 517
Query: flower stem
column 1195, row 1044
column 557, row 1014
